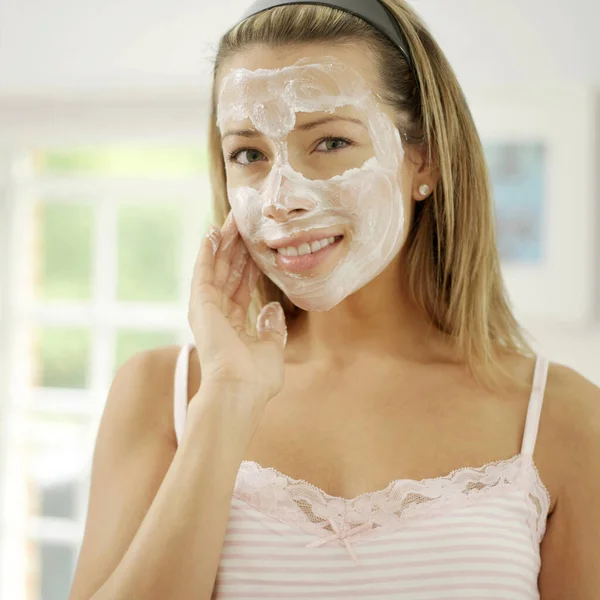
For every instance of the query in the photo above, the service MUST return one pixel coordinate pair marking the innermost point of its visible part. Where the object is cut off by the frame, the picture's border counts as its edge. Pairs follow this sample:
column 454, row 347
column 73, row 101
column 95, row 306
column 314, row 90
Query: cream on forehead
column 270, row 98
column 365, row 201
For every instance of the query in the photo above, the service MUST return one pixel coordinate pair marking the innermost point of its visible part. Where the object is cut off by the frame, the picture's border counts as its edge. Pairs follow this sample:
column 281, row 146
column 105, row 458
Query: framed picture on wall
column 518, row 175
column 540, row 150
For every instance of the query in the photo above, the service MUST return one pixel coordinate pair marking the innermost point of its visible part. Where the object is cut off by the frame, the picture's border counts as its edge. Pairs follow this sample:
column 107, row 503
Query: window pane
column 124, row 159
column 149, row 239
column 64, row 253
column 130, row 341
column 61, row 357
column 56, row 456
column 53, row 566
column 59, row 499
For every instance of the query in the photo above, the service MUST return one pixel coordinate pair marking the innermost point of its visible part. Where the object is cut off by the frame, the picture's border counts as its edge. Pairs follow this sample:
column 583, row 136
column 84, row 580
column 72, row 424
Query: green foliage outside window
column 149, row 251
column 65, row 251
column 129, row 160
column 62, row 357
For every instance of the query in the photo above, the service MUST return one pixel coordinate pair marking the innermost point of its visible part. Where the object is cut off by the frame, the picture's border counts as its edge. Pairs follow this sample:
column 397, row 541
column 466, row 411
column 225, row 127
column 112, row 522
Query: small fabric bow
column 342, row 535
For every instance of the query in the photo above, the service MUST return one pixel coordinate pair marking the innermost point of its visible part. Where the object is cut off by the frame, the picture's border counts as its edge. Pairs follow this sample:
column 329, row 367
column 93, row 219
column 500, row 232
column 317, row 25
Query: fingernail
column 275, row 319
column 215, row 238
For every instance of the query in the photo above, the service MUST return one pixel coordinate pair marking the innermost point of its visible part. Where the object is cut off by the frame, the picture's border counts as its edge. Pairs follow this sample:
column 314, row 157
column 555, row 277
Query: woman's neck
column 379, row 318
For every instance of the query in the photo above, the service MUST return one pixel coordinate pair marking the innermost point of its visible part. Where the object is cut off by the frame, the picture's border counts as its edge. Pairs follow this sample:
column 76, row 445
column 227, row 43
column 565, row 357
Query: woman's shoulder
column 574, row 402
column 572, row 424
column 148, row 379
column 572, row 406
column 162, row 361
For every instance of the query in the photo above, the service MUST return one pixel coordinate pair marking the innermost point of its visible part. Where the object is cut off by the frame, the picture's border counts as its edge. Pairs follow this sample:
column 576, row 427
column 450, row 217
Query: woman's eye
column 247, row 157
column 332, row 144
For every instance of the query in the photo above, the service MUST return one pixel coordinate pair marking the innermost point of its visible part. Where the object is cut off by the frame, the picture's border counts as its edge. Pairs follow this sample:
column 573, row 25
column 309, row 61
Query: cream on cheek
column 364, row 203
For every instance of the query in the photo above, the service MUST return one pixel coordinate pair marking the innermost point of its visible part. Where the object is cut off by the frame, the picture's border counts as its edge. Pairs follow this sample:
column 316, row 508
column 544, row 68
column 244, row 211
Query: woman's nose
column 285, row 199
column 283, row 209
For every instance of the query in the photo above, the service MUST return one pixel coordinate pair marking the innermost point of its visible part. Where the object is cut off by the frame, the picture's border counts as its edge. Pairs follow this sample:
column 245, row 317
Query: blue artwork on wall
column 517, row 171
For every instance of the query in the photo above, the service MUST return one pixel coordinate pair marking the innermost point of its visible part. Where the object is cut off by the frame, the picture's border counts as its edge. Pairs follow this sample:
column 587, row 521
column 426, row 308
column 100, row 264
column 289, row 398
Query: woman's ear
column 426, row 175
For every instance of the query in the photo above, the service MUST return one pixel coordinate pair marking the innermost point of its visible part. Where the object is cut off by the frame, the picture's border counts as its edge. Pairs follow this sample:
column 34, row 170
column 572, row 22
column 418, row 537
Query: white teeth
column 305, row 248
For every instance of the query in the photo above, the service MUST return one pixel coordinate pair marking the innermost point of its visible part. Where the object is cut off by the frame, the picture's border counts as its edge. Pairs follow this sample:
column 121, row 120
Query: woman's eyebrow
column 249, row 133
column 328, row 119
column 242, row 133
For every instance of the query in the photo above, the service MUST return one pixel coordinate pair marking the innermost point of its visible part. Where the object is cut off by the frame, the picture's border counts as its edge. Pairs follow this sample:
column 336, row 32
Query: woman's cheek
column 241, row 201
column 363, row 192
column 246, row 204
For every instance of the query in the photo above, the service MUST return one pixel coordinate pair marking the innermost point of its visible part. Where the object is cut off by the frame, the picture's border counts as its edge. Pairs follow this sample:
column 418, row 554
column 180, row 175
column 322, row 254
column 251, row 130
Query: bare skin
column 354, row 429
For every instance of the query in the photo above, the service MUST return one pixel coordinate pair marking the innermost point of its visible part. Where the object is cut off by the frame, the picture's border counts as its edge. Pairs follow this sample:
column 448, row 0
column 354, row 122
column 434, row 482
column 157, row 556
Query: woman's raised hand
column 222, row 284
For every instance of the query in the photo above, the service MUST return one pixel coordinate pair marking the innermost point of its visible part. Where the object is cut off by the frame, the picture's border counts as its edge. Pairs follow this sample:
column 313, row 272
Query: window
column 99, row 242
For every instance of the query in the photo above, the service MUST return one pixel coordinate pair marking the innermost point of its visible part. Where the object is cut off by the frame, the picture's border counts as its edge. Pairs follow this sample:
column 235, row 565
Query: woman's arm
column 157, row 516
column 571, row 547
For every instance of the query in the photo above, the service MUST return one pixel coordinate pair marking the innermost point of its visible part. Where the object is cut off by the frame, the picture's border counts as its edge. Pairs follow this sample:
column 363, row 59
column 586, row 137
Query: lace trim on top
column 373, row 514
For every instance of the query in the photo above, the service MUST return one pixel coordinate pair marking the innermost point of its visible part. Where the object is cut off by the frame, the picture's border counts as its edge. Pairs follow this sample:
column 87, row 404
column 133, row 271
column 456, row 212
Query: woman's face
column 315, row 167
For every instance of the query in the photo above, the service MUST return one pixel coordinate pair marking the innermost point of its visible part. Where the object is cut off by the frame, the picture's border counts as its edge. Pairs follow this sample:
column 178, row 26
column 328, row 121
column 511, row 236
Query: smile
column 306, row 257
column 306, row 248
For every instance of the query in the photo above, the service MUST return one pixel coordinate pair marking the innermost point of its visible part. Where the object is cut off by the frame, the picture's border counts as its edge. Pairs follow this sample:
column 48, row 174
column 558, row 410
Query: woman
column 376, row 436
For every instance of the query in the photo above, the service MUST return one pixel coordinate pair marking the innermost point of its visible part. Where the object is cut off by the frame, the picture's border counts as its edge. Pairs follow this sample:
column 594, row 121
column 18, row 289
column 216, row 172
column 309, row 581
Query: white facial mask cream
column 286, row 196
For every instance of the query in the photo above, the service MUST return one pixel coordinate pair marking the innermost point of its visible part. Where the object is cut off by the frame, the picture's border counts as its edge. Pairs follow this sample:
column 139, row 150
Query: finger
column 229, row 230
column 237, row 318
column 239, row 324
column 229, row 236
column 227, row 248
column 224, row 259
column 236, row 271
column 205, row 260
column 240, row 301
column 243, row 295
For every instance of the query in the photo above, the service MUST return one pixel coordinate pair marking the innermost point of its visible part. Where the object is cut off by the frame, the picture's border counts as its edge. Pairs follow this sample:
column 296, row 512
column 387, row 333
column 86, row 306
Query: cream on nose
column 283, row 201
column 284, row 208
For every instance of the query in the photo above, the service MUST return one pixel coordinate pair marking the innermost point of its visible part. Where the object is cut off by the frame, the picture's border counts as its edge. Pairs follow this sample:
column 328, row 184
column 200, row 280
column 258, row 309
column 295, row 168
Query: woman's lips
column 307, row 262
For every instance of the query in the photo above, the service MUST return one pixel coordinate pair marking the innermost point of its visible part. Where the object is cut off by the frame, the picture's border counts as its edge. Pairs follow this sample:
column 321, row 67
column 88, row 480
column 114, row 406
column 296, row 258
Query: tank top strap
column 180, row 392
column 534, row 410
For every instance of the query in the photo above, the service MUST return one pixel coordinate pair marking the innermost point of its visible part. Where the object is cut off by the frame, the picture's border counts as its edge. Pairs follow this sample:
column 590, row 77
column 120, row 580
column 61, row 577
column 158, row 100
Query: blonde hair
column 451, row 259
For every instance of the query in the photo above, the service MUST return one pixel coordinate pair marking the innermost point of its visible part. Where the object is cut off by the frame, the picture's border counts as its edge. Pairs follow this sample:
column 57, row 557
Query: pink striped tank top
column 474, row 533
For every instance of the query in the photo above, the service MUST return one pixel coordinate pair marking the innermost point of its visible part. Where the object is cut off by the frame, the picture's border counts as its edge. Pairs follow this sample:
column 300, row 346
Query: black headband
column 371, row 11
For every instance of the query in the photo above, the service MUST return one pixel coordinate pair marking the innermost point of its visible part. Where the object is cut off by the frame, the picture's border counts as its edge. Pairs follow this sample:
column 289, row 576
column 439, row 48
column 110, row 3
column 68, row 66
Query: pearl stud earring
column 424, row 190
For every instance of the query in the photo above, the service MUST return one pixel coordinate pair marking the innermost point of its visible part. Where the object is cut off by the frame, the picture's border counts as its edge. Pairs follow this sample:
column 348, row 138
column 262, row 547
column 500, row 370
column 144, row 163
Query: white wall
column 575, row 345
column 91, row 45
